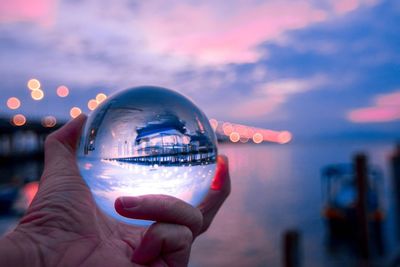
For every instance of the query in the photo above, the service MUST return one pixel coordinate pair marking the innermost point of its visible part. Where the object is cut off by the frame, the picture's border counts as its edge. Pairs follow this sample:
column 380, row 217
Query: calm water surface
column 276, row 188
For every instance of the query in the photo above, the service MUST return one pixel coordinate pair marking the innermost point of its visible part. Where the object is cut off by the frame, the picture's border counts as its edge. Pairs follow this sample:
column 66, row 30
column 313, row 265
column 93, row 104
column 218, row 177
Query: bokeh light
column 13, row 103
column 75, row 112
column 33, row 84
column 249, row 132
column 284, row 137
column 101, row 97
column 19, row 120
column 49, row 121
column 234, row 137
column 92, row 104
column 214, row 124
column 62, row 91
column 37, row 94
column 258, row 138
column 227, row 128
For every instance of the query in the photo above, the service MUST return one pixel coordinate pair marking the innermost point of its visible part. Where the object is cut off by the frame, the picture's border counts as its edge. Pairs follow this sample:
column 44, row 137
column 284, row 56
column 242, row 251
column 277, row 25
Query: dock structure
column 171, row 159
column 23, row 142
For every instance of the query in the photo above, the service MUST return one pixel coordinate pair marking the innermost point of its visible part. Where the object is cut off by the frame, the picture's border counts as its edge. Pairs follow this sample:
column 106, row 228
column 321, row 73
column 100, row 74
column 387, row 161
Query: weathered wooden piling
column 395, row 164
column 291, row 248
column 361, row 169
column 395, row 171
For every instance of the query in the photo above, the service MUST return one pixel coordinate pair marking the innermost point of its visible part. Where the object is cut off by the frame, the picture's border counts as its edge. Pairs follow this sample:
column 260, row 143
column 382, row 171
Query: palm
column 64, row 227
column 63, row 221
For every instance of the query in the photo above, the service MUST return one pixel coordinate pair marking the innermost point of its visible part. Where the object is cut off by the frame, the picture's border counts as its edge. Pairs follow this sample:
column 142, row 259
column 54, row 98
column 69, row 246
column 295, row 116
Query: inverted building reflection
column 164, row 140
column 167, row 142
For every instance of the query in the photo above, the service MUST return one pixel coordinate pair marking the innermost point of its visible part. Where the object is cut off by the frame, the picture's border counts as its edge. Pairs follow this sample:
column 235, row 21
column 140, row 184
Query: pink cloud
column 211, row 32
column 392, row 99
column 271, row 95
column 344, row 6
column 209, row 35
column 37, row 11
column 386, row 108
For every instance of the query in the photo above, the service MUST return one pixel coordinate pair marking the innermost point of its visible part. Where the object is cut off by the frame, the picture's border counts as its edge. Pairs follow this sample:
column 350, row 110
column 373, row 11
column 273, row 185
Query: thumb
column 60, row 149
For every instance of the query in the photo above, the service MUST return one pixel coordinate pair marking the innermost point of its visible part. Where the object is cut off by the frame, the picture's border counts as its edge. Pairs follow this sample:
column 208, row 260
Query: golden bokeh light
column 37, row 94
column 243, row 133
column 250, row 132
column 284, row 137
column 75, row 112
column 258, row 138
column 13, row 103
column 92, row 104
column 101, row 97
column 19, row 120
column 214, row 124
column 33, row 84
column 234, row 137
column 62, row 91
column 227, row 128
column 49, row 121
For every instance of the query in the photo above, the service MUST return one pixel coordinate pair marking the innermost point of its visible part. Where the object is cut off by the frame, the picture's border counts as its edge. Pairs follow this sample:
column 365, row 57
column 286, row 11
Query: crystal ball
column 147, row 140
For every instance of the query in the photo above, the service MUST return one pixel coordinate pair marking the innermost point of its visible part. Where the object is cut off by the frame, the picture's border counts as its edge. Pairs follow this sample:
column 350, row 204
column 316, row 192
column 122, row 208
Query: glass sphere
column 147, row 140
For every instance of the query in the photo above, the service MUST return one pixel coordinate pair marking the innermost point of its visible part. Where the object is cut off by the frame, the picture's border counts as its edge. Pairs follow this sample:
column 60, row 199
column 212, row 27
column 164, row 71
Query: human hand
column 64, row 227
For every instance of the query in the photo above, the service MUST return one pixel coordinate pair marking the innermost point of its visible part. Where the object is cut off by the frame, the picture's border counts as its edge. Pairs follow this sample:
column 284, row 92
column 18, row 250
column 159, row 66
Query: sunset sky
column 327, row 68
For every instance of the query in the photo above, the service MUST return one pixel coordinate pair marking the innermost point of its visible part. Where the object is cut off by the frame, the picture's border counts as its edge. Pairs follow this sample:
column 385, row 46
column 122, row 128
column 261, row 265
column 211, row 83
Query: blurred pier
column 21, row 165
column 24, row 142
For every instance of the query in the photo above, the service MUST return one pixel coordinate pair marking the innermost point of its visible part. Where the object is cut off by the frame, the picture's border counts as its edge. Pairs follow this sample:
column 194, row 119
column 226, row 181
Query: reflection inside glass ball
column 147, row 140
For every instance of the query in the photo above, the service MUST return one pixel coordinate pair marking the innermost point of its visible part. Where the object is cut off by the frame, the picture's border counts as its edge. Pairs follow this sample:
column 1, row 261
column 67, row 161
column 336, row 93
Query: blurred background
column 304, row 97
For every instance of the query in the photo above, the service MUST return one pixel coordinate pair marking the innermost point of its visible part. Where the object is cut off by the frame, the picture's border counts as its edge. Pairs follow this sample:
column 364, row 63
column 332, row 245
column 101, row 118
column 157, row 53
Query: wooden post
column 291, row 249
column 360, row 163
column 395, row 162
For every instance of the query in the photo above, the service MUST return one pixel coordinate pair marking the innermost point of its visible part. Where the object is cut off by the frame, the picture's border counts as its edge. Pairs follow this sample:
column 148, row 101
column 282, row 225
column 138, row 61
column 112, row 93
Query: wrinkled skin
column 64, row 227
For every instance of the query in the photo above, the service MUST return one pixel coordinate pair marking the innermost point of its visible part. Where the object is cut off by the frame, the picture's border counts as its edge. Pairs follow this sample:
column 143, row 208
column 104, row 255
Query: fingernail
column 129, row 202
column 216, row 183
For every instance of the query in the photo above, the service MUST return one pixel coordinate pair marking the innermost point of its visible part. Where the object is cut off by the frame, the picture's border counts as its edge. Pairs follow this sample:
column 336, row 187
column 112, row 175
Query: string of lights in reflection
column 225, row 131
